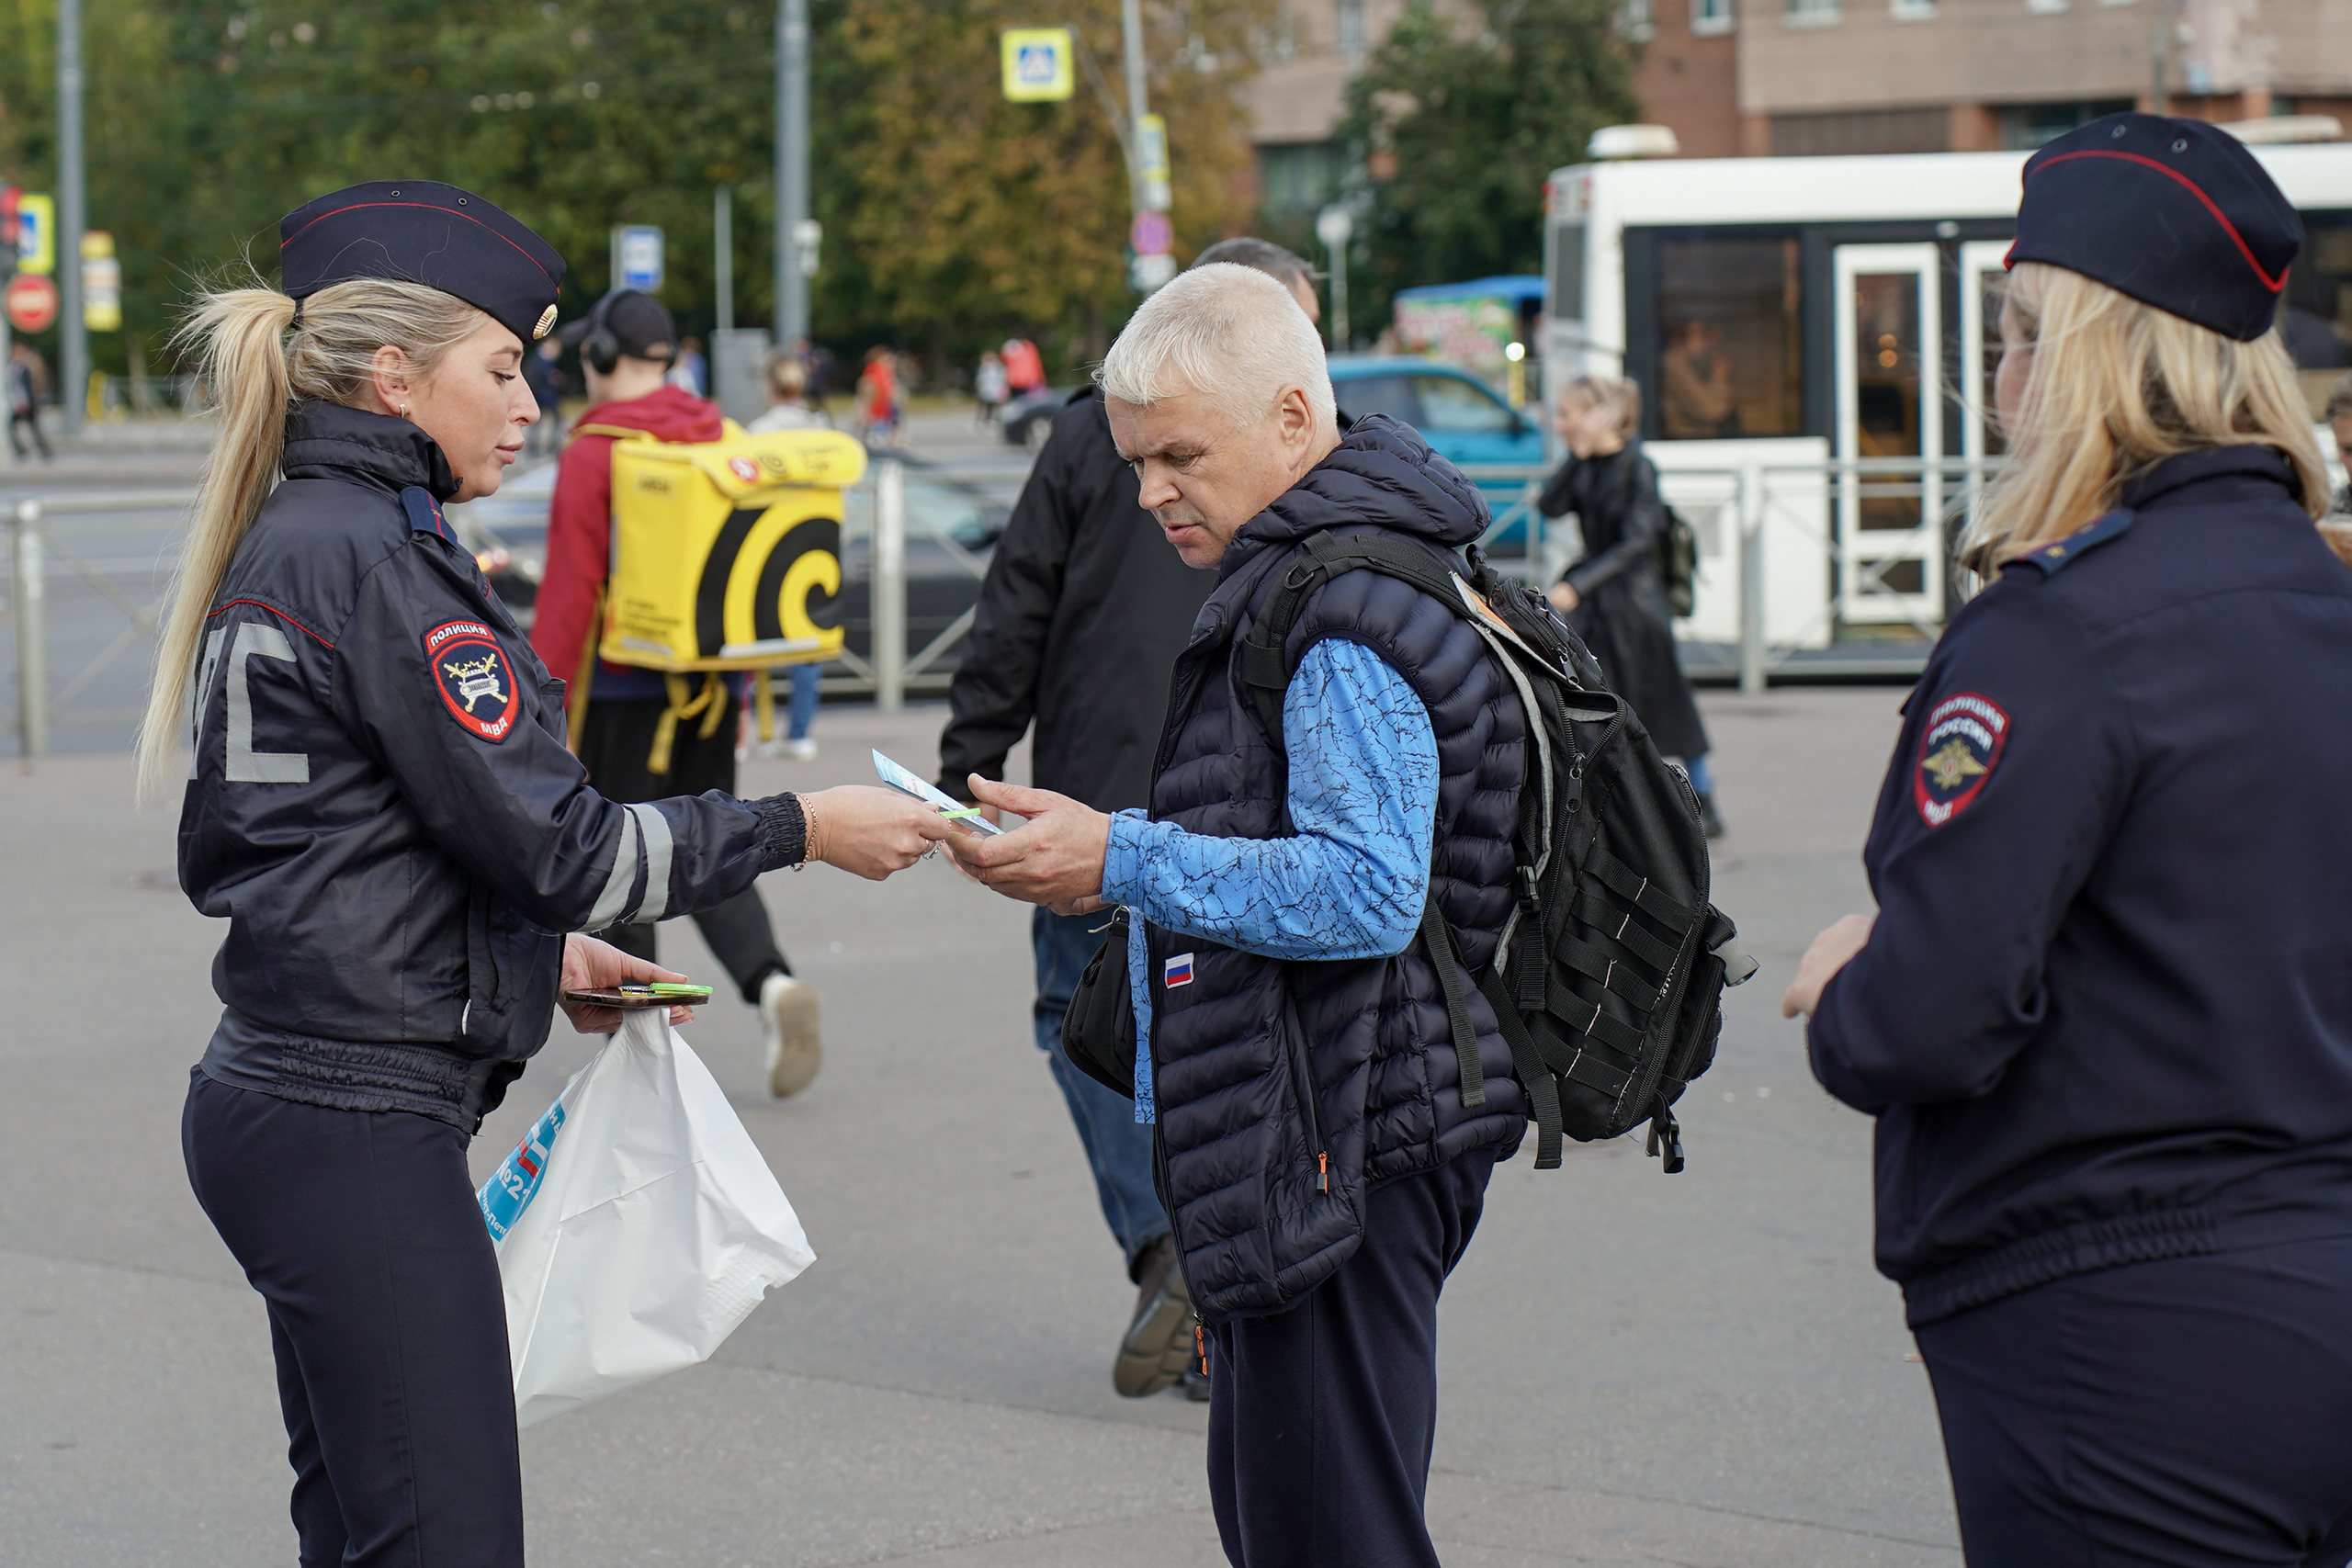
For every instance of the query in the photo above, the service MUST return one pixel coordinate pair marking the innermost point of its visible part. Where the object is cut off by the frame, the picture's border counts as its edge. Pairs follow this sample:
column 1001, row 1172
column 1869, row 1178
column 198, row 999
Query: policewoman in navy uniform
column 2104, row 1015
column 382, row 806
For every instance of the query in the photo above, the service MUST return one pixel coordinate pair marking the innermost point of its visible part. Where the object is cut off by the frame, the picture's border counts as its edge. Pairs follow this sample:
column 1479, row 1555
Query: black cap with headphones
column 625, row 323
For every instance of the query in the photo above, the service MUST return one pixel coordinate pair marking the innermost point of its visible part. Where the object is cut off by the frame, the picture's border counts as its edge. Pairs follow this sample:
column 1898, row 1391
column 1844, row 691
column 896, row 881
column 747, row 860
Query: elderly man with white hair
column 1320, row 1168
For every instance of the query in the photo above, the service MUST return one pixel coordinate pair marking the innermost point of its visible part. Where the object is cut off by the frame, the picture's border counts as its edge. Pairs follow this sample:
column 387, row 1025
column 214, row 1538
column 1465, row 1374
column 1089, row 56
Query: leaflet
column 967, row 818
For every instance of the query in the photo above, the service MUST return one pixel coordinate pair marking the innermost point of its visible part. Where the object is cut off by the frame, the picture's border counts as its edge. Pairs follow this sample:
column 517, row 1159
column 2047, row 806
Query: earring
column 404, row 411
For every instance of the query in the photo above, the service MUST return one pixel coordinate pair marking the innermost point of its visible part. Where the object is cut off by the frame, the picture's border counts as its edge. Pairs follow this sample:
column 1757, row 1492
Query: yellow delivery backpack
column 726, row 556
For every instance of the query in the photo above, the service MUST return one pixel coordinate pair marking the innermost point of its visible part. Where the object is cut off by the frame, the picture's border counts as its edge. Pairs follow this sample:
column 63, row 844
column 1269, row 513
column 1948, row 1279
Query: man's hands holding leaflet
column 1053, row 859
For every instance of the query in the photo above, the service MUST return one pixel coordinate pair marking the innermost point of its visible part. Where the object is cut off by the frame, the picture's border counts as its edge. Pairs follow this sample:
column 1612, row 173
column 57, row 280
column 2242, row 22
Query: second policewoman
column 2104, row 1016
column 382, row 806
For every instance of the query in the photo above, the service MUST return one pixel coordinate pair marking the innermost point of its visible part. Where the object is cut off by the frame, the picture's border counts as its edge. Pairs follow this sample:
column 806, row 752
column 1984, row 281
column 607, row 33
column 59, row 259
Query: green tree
column 970, row 211
column 1460, row 118
column 949, row 215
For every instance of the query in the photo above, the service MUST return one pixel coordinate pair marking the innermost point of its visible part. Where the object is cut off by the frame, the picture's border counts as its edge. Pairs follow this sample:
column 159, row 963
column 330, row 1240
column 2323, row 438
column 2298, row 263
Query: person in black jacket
column 2104, row 1015
column 1079, row 622
column 382, row 806
column 1612, row 596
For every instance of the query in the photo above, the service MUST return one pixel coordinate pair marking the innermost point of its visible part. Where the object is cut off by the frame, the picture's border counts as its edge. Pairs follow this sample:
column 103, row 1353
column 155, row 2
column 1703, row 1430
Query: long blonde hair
column 2115, row 387
column 255, row 358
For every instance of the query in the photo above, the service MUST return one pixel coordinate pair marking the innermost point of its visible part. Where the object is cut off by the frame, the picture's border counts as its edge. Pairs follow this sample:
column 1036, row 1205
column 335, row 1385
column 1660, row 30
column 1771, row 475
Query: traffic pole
column 791, row 169
column 1131, row 24
column 74, row 352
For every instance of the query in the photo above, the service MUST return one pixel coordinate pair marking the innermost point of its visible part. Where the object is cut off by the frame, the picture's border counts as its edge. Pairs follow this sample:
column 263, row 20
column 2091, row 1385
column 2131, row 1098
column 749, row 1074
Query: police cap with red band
column 2176, row 213
column 423, row 231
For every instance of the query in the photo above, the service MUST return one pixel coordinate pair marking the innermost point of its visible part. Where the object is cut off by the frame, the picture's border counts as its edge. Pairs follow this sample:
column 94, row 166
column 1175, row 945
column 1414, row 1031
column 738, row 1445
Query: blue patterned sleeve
column 1351, row 882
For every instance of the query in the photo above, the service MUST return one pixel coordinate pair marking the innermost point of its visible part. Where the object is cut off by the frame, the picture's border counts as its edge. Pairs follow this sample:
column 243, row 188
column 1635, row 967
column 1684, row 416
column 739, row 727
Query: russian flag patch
column 1177, row 971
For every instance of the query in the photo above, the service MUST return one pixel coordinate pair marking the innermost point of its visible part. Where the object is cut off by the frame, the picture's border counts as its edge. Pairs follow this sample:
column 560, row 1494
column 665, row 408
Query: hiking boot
column 788, row 1014
column 1160, row 1339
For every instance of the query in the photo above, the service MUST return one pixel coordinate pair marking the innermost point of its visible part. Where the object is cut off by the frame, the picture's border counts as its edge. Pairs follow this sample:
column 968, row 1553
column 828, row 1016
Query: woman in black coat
column 1612, row 596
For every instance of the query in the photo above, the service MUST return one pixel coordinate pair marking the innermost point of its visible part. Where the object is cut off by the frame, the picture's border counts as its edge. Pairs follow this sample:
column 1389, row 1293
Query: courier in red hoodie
column 627, row 344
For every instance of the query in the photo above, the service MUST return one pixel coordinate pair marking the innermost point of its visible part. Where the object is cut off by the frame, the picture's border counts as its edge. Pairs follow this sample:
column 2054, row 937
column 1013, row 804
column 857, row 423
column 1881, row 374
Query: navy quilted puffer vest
column 1286, row 1088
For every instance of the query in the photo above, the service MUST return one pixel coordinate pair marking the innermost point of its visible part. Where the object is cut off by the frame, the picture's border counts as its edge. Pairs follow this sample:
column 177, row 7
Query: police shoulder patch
column 1959, row 747
column 2059, row 553
column 477, row 685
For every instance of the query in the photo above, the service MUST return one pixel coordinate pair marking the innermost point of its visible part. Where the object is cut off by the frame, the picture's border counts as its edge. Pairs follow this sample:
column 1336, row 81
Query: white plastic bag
column 636, row 1224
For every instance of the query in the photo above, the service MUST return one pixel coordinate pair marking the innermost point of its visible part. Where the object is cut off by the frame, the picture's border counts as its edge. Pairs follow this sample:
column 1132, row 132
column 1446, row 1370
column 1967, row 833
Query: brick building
column 1797, row 77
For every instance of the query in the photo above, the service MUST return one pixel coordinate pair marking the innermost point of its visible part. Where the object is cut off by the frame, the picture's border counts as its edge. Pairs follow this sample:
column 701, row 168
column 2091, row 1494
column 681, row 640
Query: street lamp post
column 1333, row 226
column 791, row 170
column 72, row 219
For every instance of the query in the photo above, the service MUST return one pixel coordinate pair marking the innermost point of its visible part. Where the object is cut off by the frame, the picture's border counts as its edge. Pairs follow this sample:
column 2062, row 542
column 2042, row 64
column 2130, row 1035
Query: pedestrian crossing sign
column 1038, row 66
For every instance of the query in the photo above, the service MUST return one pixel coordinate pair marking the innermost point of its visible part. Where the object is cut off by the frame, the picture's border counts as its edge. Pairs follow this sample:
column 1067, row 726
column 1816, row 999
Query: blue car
column 1463, row 421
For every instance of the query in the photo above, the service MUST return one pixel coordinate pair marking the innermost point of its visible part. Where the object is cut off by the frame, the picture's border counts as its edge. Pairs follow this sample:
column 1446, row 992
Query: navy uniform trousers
column 361, row 1231
column 2191, row 1413
column 1322, row 1418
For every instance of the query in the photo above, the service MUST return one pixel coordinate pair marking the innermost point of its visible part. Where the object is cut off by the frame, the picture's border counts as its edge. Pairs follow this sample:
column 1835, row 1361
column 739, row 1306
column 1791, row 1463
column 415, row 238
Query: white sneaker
column 788, row 1014
column 802, row 751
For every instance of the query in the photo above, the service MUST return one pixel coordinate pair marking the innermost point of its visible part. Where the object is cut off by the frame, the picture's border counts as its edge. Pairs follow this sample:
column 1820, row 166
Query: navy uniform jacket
column 382, row 806
column 2106, row 1013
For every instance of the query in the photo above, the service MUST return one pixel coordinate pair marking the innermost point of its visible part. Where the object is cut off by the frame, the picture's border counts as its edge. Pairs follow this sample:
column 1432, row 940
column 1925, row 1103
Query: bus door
column 1983, row 281
column 1890, row 556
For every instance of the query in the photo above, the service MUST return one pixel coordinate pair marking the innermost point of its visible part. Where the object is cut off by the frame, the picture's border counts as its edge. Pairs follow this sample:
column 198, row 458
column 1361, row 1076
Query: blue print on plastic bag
column 512, row 1185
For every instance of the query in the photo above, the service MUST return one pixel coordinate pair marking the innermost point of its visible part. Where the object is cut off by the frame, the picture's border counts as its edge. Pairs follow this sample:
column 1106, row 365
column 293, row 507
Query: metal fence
column 1795, row 558
column 42, row 529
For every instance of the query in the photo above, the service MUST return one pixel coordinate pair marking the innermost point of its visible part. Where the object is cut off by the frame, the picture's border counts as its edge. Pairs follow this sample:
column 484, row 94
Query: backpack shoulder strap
column 1265, row 660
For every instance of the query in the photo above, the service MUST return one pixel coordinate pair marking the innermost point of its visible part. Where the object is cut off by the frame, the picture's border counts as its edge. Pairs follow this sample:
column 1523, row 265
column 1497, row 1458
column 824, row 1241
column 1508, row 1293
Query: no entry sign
column 32, row 302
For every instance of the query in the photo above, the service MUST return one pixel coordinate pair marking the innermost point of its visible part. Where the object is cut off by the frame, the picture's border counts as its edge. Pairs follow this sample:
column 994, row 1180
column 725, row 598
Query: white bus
column 1795, row 310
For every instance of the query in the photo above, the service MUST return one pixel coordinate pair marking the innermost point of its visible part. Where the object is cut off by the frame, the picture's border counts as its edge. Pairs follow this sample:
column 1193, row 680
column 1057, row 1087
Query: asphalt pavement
column 1636, row 1369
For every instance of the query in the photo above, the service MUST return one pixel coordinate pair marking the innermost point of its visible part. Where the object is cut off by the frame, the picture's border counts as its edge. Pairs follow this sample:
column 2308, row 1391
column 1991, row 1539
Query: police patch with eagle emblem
column 470, row 670
column 1958, row 748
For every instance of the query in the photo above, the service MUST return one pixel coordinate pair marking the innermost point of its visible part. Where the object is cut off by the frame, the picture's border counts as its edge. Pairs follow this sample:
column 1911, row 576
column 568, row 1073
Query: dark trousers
column 614, row 746
column 1321, row 1417
column 2191, row 1413
column 30, row 421
column 361, row 1232
column 1118, row 1147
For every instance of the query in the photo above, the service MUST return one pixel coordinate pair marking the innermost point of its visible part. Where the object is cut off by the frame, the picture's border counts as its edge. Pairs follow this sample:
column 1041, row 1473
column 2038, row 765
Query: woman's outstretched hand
column 592, row 965
column 1830, row 952
column 869, row 832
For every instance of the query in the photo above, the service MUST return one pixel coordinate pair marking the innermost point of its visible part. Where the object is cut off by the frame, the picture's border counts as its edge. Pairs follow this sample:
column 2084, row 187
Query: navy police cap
column 423, row 231
column 2174, row 212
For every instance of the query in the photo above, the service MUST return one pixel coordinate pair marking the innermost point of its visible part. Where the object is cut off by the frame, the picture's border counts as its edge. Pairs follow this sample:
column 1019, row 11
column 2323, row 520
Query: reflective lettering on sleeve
column 656, row 829
column 204, row 668
column 256, row 639
column 613, row 902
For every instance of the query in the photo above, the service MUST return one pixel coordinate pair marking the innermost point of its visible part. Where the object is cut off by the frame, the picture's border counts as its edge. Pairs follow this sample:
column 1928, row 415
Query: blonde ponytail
column 2113, row 388
column 239, row 335
column 254, row 361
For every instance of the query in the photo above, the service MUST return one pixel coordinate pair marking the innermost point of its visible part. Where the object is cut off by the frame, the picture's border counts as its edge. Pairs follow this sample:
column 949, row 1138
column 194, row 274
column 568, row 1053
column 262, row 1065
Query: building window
column 1912, row 10
column 1859, row 130
column 2045, row 8
column 1639, row 19
column 1811, row 13
column 1730, row 350
column 1352, row 31
column 1298, row 176
column 2026, row 126
column 1710, row 18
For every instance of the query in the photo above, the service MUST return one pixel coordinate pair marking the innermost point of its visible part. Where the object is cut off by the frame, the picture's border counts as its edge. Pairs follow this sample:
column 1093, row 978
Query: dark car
column 1028, row 419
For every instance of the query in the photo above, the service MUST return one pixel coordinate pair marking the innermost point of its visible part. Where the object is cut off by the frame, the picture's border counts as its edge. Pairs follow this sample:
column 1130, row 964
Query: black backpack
column 1608, row 983
column 1677, row 562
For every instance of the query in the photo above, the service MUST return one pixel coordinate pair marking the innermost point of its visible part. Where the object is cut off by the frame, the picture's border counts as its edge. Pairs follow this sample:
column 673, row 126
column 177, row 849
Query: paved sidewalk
column 1636, row 1369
